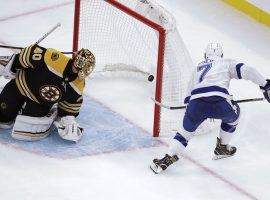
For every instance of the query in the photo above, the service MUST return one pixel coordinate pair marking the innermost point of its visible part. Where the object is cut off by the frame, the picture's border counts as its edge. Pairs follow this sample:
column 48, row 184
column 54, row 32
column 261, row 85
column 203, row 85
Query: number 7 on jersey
column 205, row 67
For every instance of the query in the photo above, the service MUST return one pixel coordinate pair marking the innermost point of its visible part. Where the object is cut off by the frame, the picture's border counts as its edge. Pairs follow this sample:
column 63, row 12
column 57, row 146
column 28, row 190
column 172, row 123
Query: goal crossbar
column 161, row 47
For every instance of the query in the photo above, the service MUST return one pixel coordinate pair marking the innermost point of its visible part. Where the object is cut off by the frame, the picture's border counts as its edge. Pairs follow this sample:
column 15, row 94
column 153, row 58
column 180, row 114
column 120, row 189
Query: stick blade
column 218, row 157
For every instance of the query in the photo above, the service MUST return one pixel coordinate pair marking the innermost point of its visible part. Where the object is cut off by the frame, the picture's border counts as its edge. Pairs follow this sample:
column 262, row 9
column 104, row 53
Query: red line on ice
column 36, row 11
column 219, row 177
column 204, row 168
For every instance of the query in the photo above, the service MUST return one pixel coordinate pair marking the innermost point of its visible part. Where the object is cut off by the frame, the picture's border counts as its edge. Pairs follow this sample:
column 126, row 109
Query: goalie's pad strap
column 33, row 128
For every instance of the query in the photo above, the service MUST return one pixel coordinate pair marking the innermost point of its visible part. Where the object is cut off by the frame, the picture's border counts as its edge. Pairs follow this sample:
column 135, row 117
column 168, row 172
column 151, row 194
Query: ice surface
column 125, row 174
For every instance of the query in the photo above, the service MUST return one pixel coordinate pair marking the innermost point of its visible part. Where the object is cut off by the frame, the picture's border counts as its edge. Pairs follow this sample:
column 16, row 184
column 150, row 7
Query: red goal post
column 166, row 36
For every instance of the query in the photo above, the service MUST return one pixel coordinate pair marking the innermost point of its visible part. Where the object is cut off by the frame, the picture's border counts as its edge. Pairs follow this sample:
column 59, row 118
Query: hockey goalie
column 45, row 91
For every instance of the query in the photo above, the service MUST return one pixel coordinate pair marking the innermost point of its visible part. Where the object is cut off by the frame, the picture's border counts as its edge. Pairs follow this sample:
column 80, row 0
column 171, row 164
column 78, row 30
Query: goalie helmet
column 84, row 62
column 213, row 51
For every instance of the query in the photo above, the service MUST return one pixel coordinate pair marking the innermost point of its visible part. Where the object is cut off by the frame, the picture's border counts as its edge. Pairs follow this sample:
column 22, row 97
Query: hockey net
column 138, row 36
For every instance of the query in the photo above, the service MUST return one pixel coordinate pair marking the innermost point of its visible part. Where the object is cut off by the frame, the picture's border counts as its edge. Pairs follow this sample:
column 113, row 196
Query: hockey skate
column 223, row 151
column 160, row 165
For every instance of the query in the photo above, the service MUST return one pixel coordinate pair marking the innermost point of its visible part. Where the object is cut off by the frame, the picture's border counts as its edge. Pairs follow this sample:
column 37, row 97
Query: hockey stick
column 10, row 47
column 48, row 33
column 37, row 42
column 249, row 100
column 20, row 48
column 182, row 107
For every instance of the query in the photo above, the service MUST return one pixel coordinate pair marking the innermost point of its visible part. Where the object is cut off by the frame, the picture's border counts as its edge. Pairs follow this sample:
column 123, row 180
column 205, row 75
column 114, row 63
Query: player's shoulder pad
column 228, row 60
column 24, row 57
column 78, row 86
column 56, row 61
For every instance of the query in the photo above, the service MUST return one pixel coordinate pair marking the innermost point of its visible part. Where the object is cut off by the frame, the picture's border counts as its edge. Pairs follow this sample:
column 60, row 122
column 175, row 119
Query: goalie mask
column 84, row 62
column 213, row 51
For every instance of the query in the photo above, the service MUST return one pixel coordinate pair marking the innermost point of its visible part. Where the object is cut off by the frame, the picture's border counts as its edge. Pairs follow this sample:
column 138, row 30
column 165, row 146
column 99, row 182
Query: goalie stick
column 48, row 33
column 182, row 107
column 20, row 48
column 37, row 42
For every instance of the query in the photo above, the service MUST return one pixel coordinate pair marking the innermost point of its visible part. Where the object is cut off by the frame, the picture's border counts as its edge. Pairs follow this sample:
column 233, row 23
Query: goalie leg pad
column 29, row 128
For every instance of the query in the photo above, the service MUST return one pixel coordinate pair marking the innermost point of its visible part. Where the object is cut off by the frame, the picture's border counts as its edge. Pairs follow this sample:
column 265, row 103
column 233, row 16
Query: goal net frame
column 160, row 51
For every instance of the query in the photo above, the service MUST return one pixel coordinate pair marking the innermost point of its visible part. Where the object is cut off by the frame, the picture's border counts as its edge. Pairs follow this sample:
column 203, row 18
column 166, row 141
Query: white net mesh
column 177, row 70
column 113, row 36
column 119, row 42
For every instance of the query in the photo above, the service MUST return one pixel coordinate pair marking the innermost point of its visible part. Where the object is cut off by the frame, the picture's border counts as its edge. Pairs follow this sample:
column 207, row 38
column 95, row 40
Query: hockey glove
column 69, row 129
column 266, row 90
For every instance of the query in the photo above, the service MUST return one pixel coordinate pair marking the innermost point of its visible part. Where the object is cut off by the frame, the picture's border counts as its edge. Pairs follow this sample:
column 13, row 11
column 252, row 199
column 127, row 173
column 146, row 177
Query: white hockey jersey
column 212, row 78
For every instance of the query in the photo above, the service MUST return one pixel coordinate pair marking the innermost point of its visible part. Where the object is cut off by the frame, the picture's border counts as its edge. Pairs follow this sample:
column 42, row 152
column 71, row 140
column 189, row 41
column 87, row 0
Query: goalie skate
column 160, row 165
column 223, row 151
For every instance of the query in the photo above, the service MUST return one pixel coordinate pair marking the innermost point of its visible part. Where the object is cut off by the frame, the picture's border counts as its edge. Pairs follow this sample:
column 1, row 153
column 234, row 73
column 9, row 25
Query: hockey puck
column 150, row 78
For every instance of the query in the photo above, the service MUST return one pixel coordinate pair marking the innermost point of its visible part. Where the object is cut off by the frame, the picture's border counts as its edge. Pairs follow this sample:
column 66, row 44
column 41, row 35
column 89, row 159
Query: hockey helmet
column 213, row 51
column 84, row 62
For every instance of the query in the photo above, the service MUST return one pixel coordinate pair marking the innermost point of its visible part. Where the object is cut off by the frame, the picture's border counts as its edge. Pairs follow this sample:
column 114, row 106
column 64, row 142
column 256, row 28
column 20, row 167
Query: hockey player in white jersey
column 208, row 97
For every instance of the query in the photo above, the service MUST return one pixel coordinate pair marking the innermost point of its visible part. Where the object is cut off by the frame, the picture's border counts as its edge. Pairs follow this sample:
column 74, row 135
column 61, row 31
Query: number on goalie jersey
column 208, row 97
column 46, row 78
column 42, row 78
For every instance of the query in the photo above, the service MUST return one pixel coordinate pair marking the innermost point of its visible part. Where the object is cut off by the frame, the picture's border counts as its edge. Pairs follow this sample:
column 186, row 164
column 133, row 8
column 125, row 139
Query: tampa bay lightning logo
column 50, row 93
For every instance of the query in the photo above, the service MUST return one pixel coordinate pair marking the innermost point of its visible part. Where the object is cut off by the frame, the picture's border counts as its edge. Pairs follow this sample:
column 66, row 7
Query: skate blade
column 218, row 157
column 156, row 169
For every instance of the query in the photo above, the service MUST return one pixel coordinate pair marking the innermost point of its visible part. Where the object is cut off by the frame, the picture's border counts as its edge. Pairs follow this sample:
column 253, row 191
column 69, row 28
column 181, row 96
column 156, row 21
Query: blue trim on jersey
column 186, row 101
column 209, row 89
column 181, row 139
column 228, row 128
column 238, row 69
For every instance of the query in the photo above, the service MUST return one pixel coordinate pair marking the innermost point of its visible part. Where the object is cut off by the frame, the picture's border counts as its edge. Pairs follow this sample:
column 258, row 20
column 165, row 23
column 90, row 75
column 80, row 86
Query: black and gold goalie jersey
column 45, row 76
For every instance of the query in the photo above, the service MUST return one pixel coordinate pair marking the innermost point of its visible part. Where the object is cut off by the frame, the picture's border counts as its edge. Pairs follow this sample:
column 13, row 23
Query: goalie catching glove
column 68, row 128
column 266, row 90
